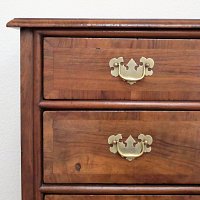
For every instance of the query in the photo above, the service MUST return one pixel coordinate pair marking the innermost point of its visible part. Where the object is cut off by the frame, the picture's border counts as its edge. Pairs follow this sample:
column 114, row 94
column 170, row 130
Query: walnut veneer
column 70, row 105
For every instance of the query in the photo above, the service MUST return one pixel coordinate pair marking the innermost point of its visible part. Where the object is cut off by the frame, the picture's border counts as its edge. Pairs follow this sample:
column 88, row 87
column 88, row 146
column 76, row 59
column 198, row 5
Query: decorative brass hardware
column 131, row 73
column 130, row 149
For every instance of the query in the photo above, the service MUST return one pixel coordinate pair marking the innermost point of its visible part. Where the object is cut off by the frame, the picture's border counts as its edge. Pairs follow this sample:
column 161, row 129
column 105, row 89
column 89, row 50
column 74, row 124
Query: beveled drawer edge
column 120, row 189
column 120, row 105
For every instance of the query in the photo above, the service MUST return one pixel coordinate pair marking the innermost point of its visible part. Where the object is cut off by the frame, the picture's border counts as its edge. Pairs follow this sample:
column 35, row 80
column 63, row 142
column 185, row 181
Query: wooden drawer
column 76, row 148
column 78, row 68
column 120, row 197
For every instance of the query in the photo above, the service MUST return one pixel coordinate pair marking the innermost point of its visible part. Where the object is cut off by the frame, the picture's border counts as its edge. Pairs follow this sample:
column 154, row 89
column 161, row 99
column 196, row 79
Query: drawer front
column 120, row 197
column 78, row 68
column 76, row 148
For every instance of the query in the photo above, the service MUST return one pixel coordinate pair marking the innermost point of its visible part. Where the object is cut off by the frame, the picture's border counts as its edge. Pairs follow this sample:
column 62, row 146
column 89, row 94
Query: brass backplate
column 130, row 149
column 131, row 73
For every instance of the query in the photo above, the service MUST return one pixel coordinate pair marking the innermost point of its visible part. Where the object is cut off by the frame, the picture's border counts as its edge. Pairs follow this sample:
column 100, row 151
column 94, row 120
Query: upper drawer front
column 120, row 197
column 76, row 148
column 78, row 68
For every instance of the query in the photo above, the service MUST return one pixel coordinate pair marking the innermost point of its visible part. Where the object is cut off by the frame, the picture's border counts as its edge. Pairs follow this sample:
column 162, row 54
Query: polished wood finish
column 76, row 148
column 120, row 105
column 120, row 197
column 120, row 189
column 117, row 33
column 170, row 170
column 27, row 114
column 77, row 68
column 37, row 90
column 105, row 23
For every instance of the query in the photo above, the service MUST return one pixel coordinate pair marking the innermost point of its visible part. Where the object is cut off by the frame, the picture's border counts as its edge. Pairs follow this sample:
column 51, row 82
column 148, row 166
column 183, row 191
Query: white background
column 10, row 183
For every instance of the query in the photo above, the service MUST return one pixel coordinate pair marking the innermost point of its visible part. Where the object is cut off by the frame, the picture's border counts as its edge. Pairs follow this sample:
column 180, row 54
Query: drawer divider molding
column 121, row 189
column 143, row 105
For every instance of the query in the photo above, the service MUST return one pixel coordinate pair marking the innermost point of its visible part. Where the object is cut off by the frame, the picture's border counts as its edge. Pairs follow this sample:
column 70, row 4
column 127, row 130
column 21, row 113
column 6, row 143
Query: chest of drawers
column 110, row 109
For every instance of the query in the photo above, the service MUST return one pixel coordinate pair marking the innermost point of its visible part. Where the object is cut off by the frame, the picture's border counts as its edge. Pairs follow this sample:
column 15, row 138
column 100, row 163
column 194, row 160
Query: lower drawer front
column 76, row 148
column 120, row 197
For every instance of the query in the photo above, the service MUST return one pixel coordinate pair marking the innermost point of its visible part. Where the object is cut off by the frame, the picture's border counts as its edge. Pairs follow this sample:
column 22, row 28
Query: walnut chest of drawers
column 110, row 109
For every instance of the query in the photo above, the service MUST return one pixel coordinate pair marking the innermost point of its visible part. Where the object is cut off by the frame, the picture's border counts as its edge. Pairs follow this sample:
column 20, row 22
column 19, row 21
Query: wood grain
column 119, row 105
column 120, row 197
column 37, row 89
column 76, row 149
column 65, row 61
column 92, row 189
column 77, row 68
column 117, row 33
column 105, row 23
column 26, row 55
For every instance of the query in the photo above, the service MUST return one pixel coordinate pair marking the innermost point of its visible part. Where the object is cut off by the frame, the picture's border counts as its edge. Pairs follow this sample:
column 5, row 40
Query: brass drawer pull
column 131, row 73
column 129, row 149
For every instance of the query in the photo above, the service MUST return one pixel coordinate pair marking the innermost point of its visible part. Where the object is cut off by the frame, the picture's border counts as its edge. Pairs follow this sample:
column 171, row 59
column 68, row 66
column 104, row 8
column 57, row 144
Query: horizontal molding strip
column 108, row 33
column 121, row 105
column 126, row 190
